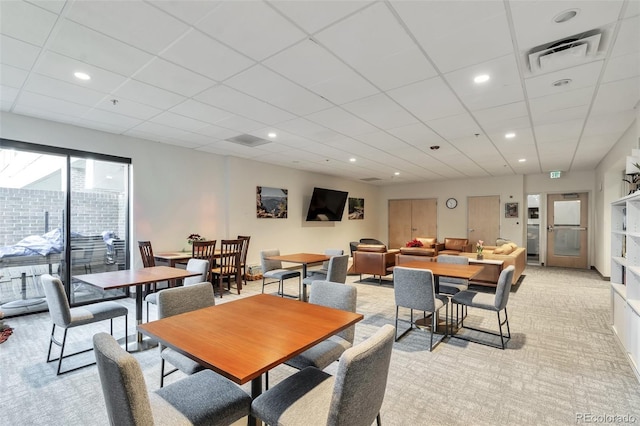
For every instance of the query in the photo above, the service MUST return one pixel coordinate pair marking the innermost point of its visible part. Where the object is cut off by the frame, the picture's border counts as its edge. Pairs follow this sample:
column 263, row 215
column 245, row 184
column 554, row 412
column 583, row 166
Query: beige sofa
column 510, row 253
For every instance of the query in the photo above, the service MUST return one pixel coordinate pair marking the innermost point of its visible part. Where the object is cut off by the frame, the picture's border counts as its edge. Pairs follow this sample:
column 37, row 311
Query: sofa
column 426, row 253
column 509, row 252
column 373, row 259
column 454, row 246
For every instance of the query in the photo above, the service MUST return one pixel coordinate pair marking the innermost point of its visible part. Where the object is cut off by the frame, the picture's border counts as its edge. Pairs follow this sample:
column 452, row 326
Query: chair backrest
column 413, row 288
column 120, row 256
column 337, row 270
column 197, row 265
column 229, row 260
column 204, row 250
column 370, row 241
column 123, row 385
column 146, row 253
column 59, row 308
column 503, row 288
column 178, row 300
column 331, row 252
column 338, row 296
column 361, row 380
column 458, row 260
column 269, row 265
column 245, row 247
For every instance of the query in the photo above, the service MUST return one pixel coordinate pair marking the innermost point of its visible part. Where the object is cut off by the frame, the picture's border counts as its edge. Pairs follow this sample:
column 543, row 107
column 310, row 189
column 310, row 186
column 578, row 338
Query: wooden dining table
column 132, row 278
column 303, row 259
column 246, row 338
column 452, row 270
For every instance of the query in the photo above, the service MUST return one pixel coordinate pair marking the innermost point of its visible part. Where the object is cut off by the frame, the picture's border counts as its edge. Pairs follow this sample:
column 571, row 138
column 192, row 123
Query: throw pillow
column 427, row 242
column 501, row 241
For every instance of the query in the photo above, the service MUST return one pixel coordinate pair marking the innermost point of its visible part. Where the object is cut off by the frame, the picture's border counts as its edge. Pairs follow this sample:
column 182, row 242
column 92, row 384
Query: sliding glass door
column 64, row 213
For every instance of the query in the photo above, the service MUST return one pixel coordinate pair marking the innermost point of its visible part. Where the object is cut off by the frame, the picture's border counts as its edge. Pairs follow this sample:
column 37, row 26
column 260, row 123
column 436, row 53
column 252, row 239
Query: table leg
column 304, row 287
column 256, row 390
column 141, row 344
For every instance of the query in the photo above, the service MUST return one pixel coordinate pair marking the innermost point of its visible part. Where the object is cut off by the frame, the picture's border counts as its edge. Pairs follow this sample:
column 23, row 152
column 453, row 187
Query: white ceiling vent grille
column 572, row 51
column 248, row 140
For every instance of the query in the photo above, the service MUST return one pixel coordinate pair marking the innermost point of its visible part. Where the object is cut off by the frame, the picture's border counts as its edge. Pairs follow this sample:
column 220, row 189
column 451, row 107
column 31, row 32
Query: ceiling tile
column 7, row 96
column 46, row 103
column 89, row 46
column 454, row 127
column 559, row 132
column 308, row 129
column 190, row 11
column 580, row 76
column 200, row 111
column 374, row 43
column 148, row 95
column 607, row 123
column 18, row 53
column 128, row 107
column 429, row 99
column 173, row 78
column 381, row 111
column 315, row 15
column 216, row 132
column 239, row 124
column 622, row 67
column 272, row 88
column 250, row 27
column 416, row 134
column 504, row 86
column 12, row 76
column 312, row 66
column 26, row 22
column 491, row 118
column 341, row 121
column 54, row 6
column 628, row 40
column 619, row 95
column 476, row 31
column 66, row 91
column 111, row 118
column 159, row 31
column 202, row 54
column 179, row 121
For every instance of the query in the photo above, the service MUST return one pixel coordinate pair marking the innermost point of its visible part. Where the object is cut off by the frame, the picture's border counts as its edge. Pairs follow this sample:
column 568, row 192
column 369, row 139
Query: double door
column 409, row 219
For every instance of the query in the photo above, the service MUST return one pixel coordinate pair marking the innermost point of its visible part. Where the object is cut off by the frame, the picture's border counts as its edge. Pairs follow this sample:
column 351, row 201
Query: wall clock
column 452, row 203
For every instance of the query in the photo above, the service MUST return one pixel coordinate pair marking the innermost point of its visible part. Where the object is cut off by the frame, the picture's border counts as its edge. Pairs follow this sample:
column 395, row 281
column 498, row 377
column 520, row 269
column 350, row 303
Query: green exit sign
column 555, row 175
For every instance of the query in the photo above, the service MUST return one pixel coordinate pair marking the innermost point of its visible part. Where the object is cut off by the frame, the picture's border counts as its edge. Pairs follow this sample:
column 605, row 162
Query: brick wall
column 23, row 213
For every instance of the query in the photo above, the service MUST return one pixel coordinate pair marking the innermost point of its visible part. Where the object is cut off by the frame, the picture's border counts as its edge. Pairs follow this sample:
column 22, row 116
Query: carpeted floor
column 562, row 364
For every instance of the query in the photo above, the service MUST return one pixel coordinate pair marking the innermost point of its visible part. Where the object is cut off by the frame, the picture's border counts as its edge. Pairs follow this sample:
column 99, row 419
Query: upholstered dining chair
column 491, row 302
column 352, row 397
column 272, row 269
column 243, row 258
column 205, row 250
column 333, row 295
column 200, row 266
column 204, row 398
column 228, row 265
column 336, row 272
column 178, row 300
column 65, row 317
column 414, row 289
column 322, row 271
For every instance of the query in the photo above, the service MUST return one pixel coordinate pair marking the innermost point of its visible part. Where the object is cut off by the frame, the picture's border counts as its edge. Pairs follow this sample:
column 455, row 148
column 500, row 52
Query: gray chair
column 353, row 397
column 414, row 289
column 333, row 295
column 272, row 269
column 65, row 317
column 449, row 285
column 336, row 272
column 205, row 398
column 178, row 300
column 193, row 265
column 322, row 271
column 490, row 302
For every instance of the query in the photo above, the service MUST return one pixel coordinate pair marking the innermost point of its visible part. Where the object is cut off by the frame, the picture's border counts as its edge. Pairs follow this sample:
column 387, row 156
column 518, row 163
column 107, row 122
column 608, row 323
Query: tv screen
column 326, row 205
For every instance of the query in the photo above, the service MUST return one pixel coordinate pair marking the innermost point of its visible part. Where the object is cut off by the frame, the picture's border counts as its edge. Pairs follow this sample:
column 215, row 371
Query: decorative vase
column 479, row 256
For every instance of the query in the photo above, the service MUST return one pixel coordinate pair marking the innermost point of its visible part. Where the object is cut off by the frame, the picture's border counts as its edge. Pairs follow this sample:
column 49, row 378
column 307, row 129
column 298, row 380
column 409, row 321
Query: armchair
column 374, row 259
column 454, row 246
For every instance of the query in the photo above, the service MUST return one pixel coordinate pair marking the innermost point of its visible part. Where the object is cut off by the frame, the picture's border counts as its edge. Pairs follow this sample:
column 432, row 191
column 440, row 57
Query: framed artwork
column 510, row 210
column 356, row 208
column 271, row 203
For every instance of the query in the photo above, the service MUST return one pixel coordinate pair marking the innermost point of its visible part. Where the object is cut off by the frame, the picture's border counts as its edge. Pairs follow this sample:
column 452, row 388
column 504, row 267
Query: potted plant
column 479, row 248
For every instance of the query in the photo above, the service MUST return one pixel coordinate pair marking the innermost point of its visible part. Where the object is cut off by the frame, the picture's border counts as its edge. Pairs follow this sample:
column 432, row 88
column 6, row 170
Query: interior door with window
column 567, row 238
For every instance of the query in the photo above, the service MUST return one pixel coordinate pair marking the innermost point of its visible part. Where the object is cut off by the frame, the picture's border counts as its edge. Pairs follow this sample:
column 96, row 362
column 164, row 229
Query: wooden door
column 399, row 222
column 409, row 219
column 567, row 237
column 424, row 218
column 483, row 218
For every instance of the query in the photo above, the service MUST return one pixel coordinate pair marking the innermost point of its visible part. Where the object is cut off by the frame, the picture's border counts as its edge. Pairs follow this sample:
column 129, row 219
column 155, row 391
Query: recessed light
column 562, row 82
column 510, row 135
column 483, row 78
column 565, row 16
column 353, row 160
column 271, row 135
column 82, row 75
column 397, row 173
column 522, row 160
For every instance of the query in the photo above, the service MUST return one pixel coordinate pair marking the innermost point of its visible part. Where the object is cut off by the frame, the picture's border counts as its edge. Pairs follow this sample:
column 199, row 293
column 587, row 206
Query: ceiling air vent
column 370, row 179
column 248, row 140
column 575, row 50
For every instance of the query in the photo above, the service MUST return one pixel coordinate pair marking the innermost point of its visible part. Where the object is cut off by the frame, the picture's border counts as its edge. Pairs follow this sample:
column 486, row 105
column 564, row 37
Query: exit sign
column 555, row 175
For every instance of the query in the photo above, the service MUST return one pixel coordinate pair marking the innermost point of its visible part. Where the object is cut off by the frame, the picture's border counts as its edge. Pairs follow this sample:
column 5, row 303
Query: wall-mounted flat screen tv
column 326, row 205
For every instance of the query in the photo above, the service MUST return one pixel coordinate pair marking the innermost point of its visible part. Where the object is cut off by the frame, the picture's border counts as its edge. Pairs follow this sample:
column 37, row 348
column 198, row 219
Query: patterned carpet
column 562, row 364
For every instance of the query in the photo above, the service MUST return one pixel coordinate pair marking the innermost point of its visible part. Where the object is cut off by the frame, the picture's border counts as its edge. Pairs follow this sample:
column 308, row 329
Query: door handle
column 471, row 230
column 549, row 228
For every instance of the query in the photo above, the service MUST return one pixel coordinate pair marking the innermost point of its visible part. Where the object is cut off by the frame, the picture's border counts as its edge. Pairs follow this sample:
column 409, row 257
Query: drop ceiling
column 378, row 82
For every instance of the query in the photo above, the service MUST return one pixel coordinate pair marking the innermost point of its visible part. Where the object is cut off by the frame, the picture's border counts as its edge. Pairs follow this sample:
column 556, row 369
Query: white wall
column 178, row 191
column 453, row 222
column 610, row 187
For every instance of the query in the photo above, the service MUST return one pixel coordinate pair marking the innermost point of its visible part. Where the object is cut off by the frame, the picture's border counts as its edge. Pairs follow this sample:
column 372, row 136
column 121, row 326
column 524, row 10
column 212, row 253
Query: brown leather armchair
column 454, row 246
column 373, row 259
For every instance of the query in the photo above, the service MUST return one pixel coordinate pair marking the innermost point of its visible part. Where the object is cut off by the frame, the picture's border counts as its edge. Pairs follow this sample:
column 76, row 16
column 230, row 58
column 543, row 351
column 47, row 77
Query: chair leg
column 161, row 372
column 53, row 329
column 506, row 320
column 378, row 420
column 396, row 332
column 433, row 327
column 64, row 340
